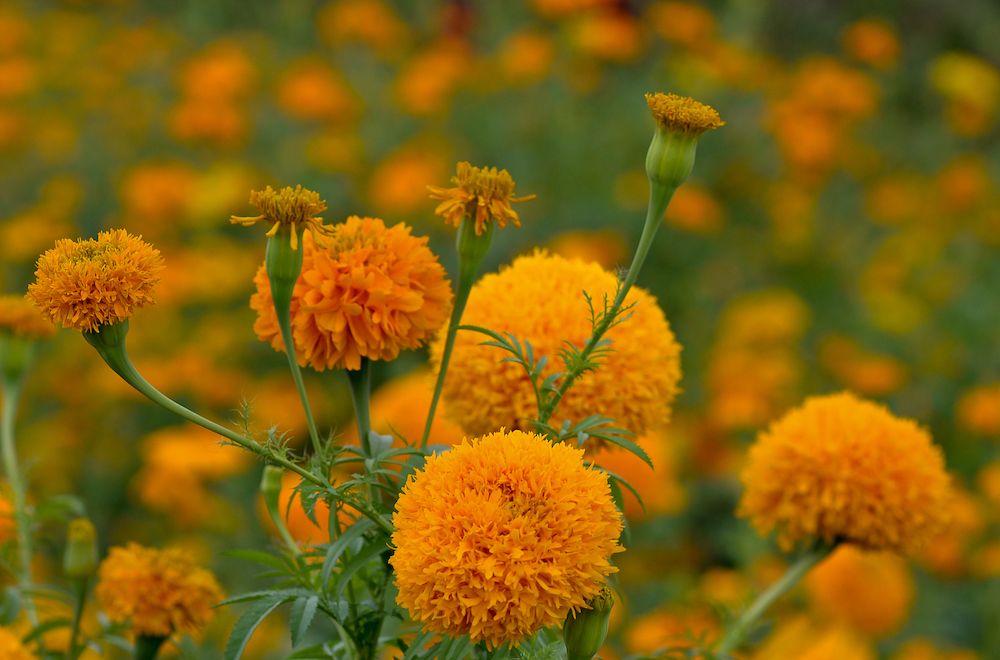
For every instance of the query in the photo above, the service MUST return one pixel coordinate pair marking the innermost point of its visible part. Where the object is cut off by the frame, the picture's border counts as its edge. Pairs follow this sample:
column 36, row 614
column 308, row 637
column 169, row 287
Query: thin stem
column 279, row 524
column 293, row 365
column 8, row 446
column 659, row 199
column 734, row 636
column 147, row 647
column 461, row 298
column 81, row 601
column 361, row 386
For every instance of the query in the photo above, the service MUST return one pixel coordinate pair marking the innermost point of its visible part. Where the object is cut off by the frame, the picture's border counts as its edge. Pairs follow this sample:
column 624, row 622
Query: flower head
column 89, row 283
column 483, row 194
column 539, row 298
column 839, row 468
column 503, row 535
column 22, row 319
column 12, row 648
column 683, row 114
column 160, row 591
column 370, row 292
column 294, row 208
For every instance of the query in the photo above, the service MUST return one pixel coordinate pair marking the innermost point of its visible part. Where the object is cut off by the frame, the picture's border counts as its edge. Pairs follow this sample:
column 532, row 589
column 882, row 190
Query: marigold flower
column 88, row 283
column 481, row 193
column 294, row 208
column 503, row 535
column 22, row 319
column 683, row 114
column 539, row 299
column 870, row 592
column 370, row 292
column 12, row 648
column 159, row 591
column 839, row 468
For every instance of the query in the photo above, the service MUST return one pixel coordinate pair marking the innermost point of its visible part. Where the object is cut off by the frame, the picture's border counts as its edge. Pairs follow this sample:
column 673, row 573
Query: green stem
column 279, row 524
column 461, row 298
column 361, row 385
column 8, row 446
column 286, row 336
column 81, row 601
column 110, row 345
column 659, row 199
column 147, row 646
column 734, row 636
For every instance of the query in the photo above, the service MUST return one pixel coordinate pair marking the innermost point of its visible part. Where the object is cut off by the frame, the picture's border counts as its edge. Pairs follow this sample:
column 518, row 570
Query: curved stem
column 8, row 446
column 461, row 298
column 659, row 199
column 734, row 636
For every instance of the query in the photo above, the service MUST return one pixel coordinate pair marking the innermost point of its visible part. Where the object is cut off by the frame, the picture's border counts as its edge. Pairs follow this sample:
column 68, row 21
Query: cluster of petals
column 540, row 299
column 20, row 318
column 369, row 292
column 503, row 535
column 842, row 469
column 89, row 283
column 483, row 194
column 159, row 591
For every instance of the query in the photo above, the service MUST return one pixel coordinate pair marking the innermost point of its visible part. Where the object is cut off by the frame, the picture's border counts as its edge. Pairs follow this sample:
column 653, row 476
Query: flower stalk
column 472, row 248
column 805, row 562
column 8, row 447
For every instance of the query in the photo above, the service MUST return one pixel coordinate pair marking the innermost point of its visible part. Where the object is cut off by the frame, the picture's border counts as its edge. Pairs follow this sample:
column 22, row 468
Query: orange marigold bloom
column 12, row 648
column 370, row 292
column 539, row 299
column 481, row 193
column 501, row 536
column 159, row 591
column 840, row 468
column 870, row 592
column 683, row 114
column 22, row 319
column 295, row 208
column 87, row 283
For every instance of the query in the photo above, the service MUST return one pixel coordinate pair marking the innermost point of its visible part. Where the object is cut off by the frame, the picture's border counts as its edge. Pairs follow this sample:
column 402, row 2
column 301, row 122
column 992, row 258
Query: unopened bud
column 80, row 559
column 679, row 123
column 585, row 631
column 270, row 486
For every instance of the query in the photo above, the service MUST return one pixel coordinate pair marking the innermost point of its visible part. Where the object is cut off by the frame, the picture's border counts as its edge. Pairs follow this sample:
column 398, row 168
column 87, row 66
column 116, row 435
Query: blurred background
column 841, row 232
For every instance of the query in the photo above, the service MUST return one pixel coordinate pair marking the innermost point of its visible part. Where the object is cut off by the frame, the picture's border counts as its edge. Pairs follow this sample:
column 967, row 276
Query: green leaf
column 355, row 564
column 247, row 624
column 301, row 617
column 337, row 548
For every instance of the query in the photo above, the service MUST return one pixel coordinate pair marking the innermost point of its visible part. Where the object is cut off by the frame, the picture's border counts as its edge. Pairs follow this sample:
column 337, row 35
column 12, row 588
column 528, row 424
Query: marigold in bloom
column 11, row 647
column 869, row 592
column 159, row 591
column 22, row 319
column 295, row 208
column 683, row 114
column 501, row 536
column 370, row 292
column 839, row 468
column 481, row 193
column 88, row 283
column 539, row 298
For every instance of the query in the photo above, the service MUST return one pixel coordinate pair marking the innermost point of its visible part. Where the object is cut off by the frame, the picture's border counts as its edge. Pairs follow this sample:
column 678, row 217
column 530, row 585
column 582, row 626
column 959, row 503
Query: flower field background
column 840, row 232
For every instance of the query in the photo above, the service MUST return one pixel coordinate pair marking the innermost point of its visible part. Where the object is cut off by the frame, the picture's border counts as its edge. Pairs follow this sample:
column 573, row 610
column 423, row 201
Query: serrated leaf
column 247, row 624
column 301, row 617
column 355, row 564
column 337, row 548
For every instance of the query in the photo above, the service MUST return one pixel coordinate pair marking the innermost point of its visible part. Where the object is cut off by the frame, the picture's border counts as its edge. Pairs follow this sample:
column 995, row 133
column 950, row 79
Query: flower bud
column 270, row 486
column 585, row 631
column 472, row 246
column 679, row 123
column 283, row 263
column 80, row 558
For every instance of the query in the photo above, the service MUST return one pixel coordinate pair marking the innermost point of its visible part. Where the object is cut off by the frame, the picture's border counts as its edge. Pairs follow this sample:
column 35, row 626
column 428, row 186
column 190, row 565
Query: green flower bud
column 283, row 264
column 270, row 486
column 472, row 247
column 80, row 558
column 679, row 123
column 585, row 631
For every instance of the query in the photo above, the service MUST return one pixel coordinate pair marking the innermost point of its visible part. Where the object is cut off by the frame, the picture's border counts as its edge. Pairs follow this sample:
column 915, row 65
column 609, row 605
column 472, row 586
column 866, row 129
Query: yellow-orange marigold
column 22, row 319
column 370, row 292
column 483, row 194
column 870, row 592
column 501, row 536
column 159, row 592
column 12, row 648
column 683, row 114
column 539, row 298
column 87, row 283
column 295, row 208
column 839, row 468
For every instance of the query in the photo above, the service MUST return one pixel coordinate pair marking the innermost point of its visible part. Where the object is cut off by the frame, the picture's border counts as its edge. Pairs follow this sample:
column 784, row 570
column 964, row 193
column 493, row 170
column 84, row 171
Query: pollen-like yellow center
column 683, row 114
